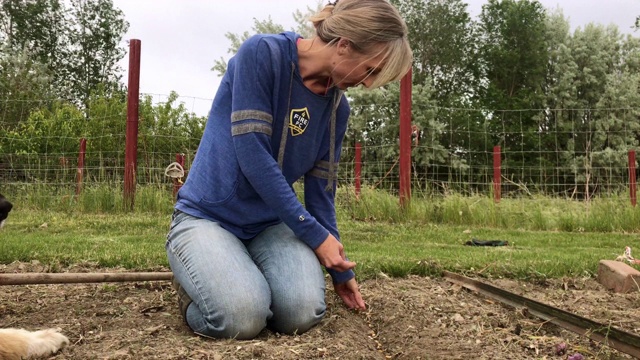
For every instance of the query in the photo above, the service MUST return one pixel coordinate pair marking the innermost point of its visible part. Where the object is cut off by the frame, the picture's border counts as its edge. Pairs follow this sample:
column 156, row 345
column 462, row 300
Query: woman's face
column 352, row 68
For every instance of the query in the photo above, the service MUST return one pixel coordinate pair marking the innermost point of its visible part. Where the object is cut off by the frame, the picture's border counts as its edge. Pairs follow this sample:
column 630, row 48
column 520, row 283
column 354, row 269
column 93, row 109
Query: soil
column 408, row 318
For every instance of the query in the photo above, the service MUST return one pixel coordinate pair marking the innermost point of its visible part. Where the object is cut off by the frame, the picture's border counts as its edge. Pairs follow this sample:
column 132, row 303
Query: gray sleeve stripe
column 251, row 115
column 322, row 164
column 321, row 174
column 249, row 128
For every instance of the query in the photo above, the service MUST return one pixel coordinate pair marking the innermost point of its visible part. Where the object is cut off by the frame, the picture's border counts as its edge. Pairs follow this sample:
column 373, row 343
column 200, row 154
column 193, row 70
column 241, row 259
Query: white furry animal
column 18, row 344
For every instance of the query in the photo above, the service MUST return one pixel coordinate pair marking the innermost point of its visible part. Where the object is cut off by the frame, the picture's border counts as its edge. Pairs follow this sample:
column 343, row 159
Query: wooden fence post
column 131, row 141
column 497, row 174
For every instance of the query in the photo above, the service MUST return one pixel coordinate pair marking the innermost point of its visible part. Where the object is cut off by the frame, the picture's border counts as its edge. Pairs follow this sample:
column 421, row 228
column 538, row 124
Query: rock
column 458, row 318
column 618, row 276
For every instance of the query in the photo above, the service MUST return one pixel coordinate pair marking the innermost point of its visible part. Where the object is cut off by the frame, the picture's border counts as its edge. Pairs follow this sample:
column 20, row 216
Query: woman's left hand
column 350, row 294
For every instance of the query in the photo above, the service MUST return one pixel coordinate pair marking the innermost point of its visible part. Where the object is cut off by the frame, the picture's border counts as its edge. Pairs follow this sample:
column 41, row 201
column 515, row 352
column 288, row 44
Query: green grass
column 422, row 249
column 548, row 237
column 133, row 240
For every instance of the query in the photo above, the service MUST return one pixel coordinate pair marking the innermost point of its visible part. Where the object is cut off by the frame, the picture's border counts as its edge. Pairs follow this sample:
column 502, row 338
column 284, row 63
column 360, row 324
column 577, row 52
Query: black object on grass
column 476, row 242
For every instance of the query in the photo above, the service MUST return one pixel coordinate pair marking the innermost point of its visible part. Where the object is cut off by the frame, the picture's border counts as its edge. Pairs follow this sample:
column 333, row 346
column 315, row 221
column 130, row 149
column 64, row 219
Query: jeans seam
column 189, row 275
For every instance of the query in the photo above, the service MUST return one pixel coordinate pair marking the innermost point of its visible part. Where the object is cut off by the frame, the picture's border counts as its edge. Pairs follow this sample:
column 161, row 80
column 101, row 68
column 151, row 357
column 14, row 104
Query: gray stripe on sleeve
column 322, row 164
column 321, row 170
column 251, row 115
column 249, row 128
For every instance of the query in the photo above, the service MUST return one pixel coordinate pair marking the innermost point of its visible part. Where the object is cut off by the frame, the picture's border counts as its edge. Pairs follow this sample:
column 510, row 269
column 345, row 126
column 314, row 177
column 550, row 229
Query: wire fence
column 572, row 153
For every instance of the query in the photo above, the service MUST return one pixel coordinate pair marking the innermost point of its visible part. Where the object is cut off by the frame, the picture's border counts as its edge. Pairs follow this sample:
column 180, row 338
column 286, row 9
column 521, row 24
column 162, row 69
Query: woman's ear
column 344, row 46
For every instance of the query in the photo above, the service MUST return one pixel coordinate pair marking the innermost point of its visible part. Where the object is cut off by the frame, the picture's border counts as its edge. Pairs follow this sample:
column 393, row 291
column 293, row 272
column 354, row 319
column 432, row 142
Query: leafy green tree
column 267, row 26
column 36, row 27
column 304, row 27
column 97, row 28
column 259, row 27
column 169, row 126
column 29, row 43
column 444, row 40
column 560, row 88
column 24, row 86
column 514, row 57
column 596, row 51
column 54, row 131
column 77, row 40
column 45, row 145
column 561, row 69
column 369, row 126
column 605, row 126
column 165, row 129
column 514, row 53
column 617, row 128
column 375, row 124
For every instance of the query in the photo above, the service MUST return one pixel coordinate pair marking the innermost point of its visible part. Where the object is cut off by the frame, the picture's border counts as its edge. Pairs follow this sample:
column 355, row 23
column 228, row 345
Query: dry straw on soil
column 411, row 318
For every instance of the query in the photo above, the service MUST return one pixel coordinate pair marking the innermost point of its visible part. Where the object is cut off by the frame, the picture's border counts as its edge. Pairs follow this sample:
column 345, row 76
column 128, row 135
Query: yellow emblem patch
column 298, row 121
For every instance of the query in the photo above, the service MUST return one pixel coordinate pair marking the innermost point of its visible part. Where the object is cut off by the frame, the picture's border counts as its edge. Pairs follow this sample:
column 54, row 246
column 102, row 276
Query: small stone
column 458, row 318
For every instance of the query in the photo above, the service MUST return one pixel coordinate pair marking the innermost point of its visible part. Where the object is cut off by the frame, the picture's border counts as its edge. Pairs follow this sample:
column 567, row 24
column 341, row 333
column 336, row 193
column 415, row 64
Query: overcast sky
column 181, row 39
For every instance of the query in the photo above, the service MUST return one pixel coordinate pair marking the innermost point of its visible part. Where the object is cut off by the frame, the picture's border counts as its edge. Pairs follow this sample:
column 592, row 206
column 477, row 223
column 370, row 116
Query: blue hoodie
column 265, row 131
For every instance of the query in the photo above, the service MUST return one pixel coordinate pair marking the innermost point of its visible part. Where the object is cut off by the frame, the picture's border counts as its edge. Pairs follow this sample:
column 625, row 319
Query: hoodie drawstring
column 285, row 126
column 332, row 176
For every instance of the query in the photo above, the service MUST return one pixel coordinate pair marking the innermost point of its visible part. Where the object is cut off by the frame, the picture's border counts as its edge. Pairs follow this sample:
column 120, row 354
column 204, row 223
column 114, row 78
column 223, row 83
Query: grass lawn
column 136, row 241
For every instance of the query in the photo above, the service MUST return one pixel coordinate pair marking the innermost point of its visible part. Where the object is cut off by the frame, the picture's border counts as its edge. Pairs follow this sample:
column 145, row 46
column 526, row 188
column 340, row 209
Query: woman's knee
column 298, row 318
column 242, row 320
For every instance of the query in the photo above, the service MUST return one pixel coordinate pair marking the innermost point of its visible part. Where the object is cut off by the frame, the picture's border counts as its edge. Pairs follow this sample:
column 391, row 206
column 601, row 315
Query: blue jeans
column 240, row 287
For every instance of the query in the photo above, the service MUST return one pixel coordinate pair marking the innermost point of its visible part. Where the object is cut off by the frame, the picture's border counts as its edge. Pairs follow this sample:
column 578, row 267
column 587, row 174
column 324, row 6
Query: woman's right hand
column 331, row 255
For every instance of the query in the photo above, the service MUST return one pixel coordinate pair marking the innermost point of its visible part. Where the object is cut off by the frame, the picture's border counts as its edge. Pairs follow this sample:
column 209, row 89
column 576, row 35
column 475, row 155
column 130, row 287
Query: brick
column 618, row 276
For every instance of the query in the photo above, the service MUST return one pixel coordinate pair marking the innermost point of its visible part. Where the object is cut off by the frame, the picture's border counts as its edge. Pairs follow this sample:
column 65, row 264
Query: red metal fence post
column 131, row 146
column 405, row 139
column 358, row 170
column 80, row 171
column 177, row 183
column 632, row 177
column 497, row 176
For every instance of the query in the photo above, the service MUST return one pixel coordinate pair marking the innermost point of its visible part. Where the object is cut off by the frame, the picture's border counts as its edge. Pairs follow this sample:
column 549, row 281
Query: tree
column 266, row 27
column 79, row 46
column 36, row 27
column 444, row 47
column 259, row 27
column 514, row 57
column 561, row 69
column 444, row 40
column 96, row 31
column 24, row 86
column 514, row 53
column 555, row 122
column 305, row 28
column 603, row 126
column 29, row 46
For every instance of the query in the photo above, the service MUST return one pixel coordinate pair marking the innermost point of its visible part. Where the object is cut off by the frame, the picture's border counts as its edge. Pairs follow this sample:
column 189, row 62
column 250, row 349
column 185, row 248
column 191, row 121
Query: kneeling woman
column 245, row 253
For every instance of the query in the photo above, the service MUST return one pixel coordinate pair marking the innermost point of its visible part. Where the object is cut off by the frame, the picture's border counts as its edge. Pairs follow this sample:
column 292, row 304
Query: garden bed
column 408, row 318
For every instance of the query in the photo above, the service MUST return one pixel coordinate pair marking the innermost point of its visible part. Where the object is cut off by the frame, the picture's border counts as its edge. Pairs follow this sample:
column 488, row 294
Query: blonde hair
column 367, row 24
